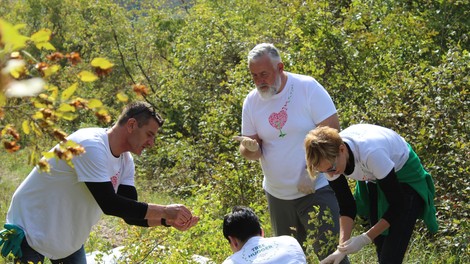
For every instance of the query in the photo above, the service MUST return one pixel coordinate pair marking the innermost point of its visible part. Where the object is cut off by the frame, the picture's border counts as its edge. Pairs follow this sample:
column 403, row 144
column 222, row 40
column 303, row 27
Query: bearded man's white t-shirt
column 282, row 122
column 55, row 209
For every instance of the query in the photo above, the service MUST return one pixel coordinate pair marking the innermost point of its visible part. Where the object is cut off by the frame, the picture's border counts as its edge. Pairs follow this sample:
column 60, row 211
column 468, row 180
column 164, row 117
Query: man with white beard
column 276, row 117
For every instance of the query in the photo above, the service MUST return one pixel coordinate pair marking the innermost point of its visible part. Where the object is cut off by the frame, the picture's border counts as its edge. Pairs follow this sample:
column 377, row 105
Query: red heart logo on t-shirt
column 277, row 120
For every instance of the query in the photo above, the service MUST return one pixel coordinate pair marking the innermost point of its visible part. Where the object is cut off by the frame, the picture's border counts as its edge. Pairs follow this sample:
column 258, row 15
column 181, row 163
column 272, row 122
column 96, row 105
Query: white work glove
column 247, row 142
column 306, row 184
column 354, row 244
column 334, row 258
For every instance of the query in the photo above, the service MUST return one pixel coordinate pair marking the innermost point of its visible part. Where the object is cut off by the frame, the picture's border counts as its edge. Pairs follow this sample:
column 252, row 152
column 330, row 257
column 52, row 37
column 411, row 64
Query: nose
column 151, row 142
column 259, row 80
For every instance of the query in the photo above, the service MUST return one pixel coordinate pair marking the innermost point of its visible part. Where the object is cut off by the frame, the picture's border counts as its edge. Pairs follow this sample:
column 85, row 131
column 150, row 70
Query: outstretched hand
column 185, row 226
column 179, row 216
column 334, row 258
column 248, row 143
column 354, row 244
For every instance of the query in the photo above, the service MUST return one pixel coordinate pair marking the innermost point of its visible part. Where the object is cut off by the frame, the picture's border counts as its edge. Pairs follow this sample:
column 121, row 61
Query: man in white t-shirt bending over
column 245, row 235
column 52, row 213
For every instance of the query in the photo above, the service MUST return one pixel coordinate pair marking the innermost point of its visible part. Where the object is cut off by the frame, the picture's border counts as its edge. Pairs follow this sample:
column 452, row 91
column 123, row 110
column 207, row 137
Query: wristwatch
column 163, row 222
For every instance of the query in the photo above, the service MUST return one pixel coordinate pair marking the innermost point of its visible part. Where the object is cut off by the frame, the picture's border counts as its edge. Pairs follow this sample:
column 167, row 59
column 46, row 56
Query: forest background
column 399, row 64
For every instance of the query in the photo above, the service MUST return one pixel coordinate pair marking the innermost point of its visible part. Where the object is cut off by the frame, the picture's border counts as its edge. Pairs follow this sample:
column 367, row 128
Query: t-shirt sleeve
column 248, row 127
column 91, row 166
column 322, row 105
column 129, row 170
column 379, row 163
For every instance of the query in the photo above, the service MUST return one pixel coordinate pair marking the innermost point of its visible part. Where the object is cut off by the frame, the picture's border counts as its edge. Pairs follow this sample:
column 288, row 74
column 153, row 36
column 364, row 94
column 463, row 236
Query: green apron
column 413, row 174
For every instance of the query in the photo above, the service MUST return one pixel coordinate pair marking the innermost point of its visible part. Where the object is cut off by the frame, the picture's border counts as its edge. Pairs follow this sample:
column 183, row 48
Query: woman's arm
column 394, row 194
column 347, row 206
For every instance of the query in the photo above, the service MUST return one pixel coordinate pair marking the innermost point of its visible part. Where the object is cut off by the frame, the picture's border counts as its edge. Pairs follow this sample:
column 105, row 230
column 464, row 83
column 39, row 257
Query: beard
column 271, row 89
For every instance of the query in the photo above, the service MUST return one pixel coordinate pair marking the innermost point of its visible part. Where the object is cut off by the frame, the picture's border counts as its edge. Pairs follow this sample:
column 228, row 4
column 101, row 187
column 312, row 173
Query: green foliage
column 400, row 64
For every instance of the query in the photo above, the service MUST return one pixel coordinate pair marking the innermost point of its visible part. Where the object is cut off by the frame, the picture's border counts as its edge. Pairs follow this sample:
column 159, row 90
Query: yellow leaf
column 101, row 63
column 11, row 38
column 68, row 92
column 42, row 35
column 51, row 70
column 69, row 116
column 66, row 108
column 54, row 91
column 45, row 45
column 87, row 76
column 3, row 99
column 38, row 115
column 95, row 103
column 26, row 128
column 122, row 97
column 102, row 111
column 71, row 143
column 48, row 155
column 39, row 105
column 36, row 129
column 19, row 26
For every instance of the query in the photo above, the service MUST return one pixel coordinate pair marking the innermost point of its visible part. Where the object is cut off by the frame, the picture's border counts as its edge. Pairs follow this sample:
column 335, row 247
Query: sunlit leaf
column 54, row 91
column 66, row 108
column 38, row 104
column 38, row 115
column 3, row 99
column 42, row 35
column 122, row 97
column 26, row 128
column 95, row 103
column 45, row 45
column 48, row 155
column 101, row 63
column 51, row 70
column 36, row 129
column 68, row 116
column 11, row 38
column 68, row 92
column 87, row 76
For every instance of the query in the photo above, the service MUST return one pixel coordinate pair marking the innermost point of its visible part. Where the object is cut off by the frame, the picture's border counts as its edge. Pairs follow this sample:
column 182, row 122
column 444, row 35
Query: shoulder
column 228, row 260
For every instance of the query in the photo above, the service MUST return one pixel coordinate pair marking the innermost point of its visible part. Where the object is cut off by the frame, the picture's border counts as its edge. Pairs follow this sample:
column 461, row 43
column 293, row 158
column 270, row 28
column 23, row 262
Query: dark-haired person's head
column 242, row 223
column 141, row 111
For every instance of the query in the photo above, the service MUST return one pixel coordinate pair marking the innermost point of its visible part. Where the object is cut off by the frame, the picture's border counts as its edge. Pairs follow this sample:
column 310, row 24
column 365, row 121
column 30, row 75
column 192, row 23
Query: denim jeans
column 286, row 214
column 392, row 247
column 32, row 256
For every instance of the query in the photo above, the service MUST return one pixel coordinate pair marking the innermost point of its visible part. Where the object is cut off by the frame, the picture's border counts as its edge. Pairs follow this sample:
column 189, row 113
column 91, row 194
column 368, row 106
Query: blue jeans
column 32, row 256
column 285, row 214
column 391, row 249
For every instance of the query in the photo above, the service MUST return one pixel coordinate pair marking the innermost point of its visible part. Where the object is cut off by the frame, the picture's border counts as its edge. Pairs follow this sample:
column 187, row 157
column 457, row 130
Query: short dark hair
column 241, row 223
column 140, row 111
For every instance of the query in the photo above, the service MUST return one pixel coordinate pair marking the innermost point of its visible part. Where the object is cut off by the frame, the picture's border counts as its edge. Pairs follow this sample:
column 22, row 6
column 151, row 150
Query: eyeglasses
column 331, row 169
column 152, row 112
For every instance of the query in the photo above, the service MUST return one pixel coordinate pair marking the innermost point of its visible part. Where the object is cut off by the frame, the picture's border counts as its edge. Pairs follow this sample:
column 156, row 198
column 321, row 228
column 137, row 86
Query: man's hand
column 248, row 143
column 354, row 244
column 177, row 214
column 306, row 184
column 334, row 258
column 192, row 222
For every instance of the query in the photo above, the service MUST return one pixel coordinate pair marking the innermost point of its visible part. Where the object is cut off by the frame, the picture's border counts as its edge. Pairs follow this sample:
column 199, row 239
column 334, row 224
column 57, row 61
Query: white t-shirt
column 376, row 151
column 274, row 250
column 56, row 210
column 282, row 122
